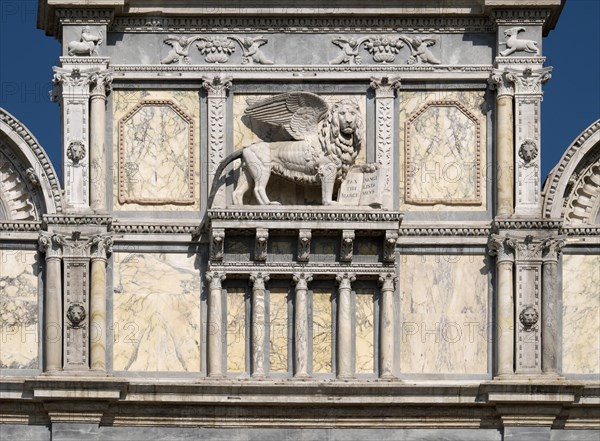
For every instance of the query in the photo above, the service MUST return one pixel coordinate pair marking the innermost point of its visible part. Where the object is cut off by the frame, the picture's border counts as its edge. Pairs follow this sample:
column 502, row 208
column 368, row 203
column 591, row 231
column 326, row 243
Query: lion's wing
column 298, row 113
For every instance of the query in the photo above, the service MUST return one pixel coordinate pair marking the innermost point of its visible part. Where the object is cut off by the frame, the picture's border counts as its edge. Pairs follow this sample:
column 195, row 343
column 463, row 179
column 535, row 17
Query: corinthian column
column 550, row 309
column 344, row 328
column 52, row 246
column 101, row 83
column 386, row 326
column 217, row 97
column 215, row 324
column 101, row 247
column 504, row 142
column 301, row 325
column 258, row 323
column 502, row 248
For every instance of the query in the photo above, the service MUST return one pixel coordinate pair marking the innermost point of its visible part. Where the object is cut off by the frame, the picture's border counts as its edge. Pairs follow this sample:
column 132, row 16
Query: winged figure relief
column 325, row 141
column 420, row 52
column 180, row 49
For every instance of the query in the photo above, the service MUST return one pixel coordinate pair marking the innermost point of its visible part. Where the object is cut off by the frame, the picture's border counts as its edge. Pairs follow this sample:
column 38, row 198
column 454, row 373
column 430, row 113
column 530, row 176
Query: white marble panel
column 19, row 316
column 444, row 310
column 581, row 314
column 156, row 160
column 156, row 309
column 442, row 150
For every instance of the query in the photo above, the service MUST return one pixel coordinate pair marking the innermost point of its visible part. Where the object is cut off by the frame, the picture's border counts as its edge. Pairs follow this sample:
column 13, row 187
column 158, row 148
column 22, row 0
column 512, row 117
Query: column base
column 387, row 377
column 302, row 377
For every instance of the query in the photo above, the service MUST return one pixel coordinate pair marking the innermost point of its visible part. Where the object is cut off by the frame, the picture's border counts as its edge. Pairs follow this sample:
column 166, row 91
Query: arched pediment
column 572, row 190
column 29, row 186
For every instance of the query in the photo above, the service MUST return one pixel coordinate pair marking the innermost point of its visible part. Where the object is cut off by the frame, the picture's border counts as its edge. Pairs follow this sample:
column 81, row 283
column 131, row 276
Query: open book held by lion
column 326, row 141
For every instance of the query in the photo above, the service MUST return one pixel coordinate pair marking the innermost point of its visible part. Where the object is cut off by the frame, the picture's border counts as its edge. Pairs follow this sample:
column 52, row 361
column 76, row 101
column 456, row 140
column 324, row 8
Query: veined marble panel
column 581, row 314
column 365, row 330
column 236, row 330
column 443, row 151
column 444, row 309
column 157, row 165
column 278, row 329
column 247, row 131
column 322, row 327
column 156, row 310
column 18, row 309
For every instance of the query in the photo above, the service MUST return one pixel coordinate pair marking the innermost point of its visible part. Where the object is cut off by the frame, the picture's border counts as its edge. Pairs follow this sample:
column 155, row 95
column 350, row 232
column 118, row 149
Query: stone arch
column 29, row 186
column 572, row 190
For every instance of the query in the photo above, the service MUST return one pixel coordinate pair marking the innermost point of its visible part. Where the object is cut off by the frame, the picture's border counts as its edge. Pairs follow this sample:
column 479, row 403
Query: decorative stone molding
column 20, row 227
column 533, row 224
column 520, row 16
column 389, row 246
column 25, row 140
column 74, row 16
column 252, row 53
column 304, row 236
column 143, row 228
column 150, row 108
column 407, row 231
column 217, row 244
column 216, row 49
column 260, row 247
column 76, row 220
column 303, row 24
column 306, row 216
column 347, row 246
column 384, row 48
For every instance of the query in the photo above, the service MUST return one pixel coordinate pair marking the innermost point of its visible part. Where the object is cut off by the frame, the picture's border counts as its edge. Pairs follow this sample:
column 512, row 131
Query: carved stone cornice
column 302, row 279
column 283, row 214
column 101, row 246
column 216, row 86
column 409, row 231
column 501, row 247
column 74, row 16
column 20, row 226
column 502, row 83
column 334, row 24
column 51, row 244
column 284, row 269
column 347, row 246
column 388, row 281
column 89, row 219
column 258, row 279
column 519, row 60
column 520, row 16
column 385, row 87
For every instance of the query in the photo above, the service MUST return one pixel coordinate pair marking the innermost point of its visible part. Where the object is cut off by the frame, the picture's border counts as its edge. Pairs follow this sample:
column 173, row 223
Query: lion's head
column 342, row 134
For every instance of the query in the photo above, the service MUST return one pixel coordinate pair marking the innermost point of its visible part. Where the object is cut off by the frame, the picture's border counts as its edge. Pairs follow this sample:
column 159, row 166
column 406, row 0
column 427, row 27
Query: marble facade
column 389, row 271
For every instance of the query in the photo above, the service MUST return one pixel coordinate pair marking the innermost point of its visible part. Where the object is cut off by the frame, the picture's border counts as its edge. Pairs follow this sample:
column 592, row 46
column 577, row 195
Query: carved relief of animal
column 87, row 45
column 514, row 44
column 326, row 142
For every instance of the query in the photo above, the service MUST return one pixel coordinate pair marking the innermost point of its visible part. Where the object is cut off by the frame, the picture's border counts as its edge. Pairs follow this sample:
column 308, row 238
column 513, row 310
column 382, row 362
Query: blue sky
column 571, row 97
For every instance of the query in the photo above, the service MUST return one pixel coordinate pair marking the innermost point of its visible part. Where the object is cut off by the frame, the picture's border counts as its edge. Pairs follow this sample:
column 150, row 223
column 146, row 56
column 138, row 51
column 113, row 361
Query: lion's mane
column 335, row 144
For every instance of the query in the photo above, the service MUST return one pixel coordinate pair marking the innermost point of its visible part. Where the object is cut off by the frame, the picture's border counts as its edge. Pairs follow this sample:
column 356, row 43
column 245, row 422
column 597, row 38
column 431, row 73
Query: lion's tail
column 216, row 179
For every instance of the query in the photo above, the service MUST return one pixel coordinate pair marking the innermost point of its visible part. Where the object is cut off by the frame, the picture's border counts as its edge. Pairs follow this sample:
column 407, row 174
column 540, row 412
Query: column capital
column 216, row 86
column 101, row 246
column 502, row 83
column 385, row 87
column 51, row 244
column 528, row 81
column 258, row 279
column 101, row 83
column 502, row 247
column 345, row 280
column 302, row 279
column 388, row 281
column 551, row 248
column 215, row 278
